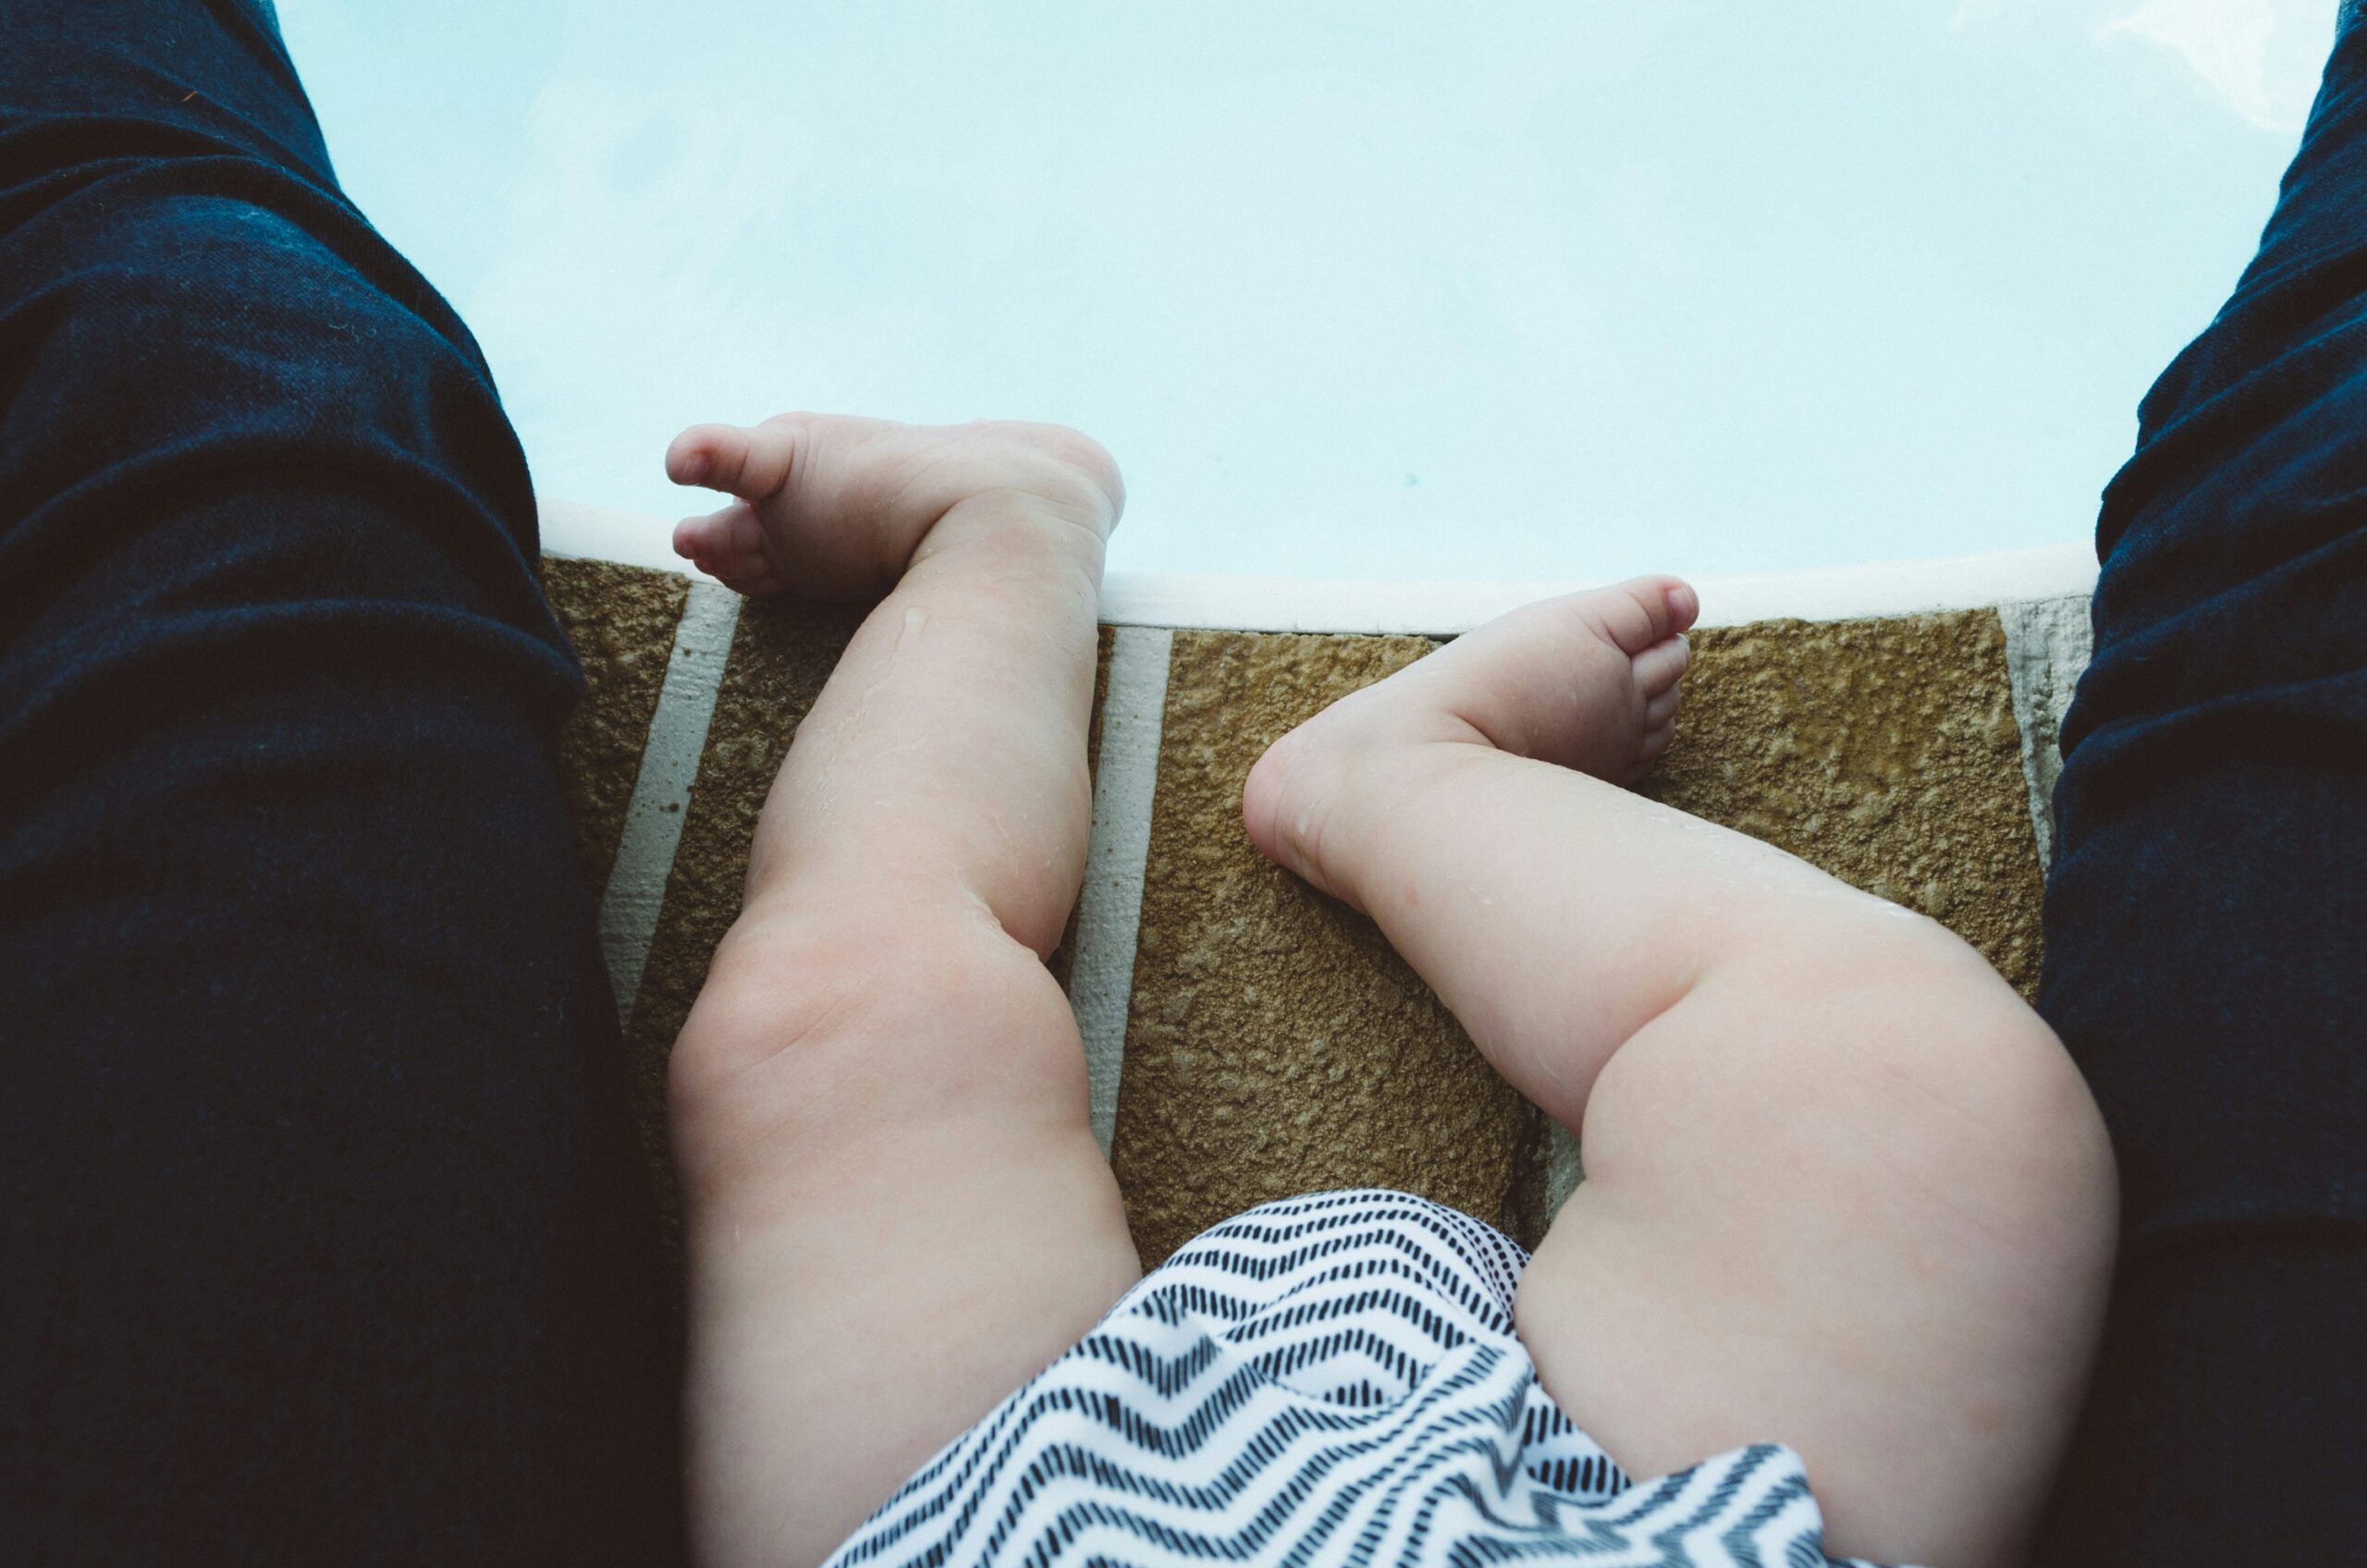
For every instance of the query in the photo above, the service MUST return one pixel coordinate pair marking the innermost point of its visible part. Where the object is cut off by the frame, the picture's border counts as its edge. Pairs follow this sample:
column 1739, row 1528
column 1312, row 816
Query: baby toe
column 1659, row 667
column 1644, row 611
column 752, row 464
column 730, row 537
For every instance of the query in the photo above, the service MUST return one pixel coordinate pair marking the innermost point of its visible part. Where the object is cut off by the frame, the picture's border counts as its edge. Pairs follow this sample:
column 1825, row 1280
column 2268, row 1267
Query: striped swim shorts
column 1328, row 1380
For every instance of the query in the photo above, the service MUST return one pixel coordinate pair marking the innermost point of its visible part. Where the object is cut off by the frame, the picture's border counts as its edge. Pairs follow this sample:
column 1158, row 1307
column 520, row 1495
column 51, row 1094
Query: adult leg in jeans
column 2207, row 914
column 326, row 1237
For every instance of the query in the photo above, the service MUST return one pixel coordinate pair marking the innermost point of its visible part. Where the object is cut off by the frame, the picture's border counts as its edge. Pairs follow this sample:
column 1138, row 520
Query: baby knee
column 830, row 1028
column 1896, row 1055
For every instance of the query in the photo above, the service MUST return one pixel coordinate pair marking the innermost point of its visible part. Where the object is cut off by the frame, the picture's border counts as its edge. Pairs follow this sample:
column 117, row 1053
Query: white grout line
column 1563, row 1171
column 1110, row 907
column 2048, row 643
column 661, row 793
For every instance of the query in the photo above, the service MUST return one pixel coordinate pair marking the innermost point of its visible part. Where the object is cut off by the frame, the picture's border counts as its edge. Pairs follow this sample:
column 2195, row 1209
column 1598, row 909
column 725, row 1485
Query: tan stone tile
column 1275, row 1044
column 621, row 620
column 1884, row 752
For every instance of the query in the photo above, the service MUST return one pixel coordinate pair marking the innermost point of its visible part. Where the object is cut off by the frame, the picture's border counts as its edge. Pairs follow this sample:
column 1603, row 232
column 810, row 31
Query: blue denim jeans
column 2206, row 916
column 327, row 1237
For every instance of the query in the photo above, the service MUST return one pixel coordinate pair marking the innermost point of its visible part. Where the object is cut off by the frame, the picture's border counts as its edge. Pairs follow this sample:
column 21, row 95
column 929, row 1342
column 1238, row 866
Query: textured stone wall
column 1884, row 752
column 1274, row 1043
column 621, row 620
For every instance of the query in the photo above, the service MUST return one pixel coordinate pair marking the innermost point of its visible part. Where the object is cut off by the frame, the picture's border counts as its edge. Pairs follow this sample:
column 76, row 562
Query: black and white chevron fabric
column 1331, row 1379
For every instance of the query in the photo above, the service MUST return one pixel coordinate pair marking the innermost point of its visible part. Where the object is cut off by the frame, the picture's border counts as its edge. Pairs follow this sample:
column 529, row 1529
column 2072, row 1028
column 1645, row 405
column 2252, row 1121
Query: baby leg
column 1843, row 1191
column 895, row 1212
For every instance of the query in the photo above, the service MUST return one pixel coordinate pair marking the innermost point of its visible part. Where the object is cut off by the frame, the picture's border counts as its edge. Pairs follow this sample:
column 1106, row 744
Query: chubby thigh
column 1850, row 1196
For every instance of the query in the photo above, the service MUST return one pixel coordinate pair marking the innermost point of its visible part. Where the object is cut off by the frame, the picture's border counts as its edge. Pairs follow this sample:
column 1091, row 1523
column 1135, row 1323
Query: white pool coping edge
column 1434, row 609
column 1183, row 601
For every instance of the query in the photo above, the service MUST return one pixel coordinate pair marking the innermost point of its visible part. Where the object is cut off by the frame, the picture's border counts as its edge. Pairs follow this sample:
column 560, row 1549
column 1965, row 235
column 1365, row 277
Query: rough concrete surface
column 621, row 620
column 1884, row 752
column 1276, row 1045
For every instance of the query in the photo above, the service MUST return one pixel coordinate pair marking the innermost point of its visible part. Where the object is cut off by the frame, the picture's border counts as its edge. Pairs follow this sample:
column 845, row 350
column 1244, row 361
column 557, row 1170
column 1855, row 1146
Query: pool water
column 1419, row 290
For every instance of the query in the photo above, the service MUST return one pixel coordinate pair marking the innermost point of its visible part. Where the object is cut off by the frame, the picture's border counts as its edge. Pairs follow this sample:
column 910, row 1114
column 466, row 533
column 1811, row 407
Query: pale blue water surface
column 1383, row 289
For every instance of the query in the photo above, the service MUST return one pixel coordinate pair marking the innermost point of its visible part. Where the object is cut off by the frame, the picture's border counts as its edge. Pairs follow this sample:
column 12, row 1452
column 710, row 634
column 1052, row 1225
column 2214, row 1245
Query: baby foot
column 1586, row 681
column 833, row 507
